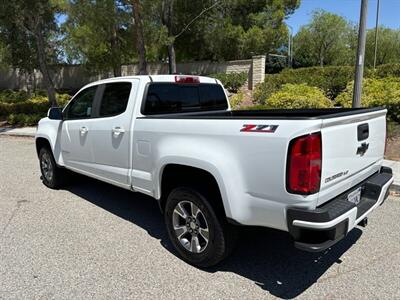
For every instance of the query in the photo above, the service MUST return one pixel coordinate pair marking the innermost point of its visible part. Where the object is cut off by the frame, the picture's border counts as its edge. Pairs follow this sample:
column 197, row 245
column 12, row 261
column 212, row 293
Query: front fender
column 51, row 131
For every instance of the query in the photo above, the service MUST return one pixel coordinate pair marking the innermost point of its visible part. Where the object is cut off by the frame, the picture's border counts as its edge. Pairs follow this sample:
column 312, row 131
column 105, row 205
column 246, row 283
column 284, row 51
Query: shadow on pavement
column 5, row 129
column 264, row 256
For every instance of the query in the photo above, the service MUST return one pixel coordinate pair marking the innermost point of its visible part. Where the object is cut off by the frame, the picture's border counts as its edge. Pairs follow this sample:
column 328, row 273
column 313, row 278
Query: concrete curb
column 22, row 132
column 27, row 135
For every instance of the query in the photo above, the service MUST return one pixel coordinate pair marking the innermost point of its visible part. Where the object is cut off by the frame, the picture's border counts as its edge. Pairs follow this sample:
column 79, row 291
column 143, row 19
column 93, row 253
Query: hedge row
column 376, row 92
column 388, row 70
column 26, row 107
column 9, row 96
column 298, row 96
column 18, row 108
column 24, row 119
column 332, row 80
column 383, row 92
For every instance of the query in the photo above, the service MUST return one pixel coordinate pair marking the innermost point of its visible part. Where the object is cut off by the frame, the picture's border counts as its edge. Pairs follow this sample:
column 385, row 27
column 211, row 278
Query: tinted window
column 81, row 106
column 165, row 98
column 115, row 98
column 212, row 96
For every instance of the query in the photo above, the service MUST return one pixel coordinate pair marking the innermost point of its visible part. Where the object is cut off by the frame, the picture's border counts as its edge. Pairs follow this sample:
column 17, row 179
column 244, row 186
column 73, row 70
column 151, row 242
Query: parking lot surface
column 93, row 240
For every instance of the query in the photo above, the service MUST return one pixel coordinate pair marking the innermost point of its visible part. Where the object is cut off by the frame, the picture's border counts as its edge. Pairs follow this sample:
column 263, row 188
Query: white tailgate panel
column 340, row 160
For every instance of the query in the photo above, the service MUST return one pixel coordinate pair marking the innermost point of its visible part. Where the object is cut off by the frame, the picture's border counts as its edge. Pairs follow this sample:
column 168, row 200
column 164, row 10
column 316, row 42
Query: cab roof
column 158, row 78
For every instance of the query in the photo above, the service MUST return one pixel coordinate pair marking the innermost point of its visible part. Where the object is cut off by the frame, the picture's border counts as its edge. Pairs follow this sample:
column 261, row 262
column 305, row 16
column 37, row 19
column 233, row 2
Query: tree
column 99, row 34
column 239, row 29
column 3, row 55
column 27, row 28
column 326, row 40
column 173, row 19
column 138, row 28
column 388, row 46
column 223, row 29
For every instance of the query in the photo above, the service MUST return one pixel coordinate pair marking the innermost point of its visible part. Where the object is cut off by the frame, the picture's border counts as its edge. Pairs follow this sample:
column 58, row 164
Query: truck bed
column 300, row 114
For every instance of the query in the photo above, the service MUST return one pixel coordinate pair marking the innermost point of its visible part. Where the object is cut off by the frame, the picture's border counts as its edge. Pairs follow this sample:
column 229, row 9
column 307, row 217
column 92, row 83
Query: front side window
column 81, row 106
column 115, row 99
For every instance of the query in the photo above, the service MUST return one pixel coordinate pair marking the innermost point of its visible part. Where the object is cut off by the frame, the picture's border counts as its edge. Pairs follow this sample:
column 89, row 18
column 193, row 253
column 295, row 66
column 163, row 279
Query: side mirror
column 55, row 113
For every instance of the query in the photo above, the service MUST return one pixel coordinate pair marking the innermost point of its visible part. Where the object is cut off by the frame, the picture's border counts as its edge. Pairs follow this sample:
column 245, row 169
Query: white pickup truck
column 313, row 173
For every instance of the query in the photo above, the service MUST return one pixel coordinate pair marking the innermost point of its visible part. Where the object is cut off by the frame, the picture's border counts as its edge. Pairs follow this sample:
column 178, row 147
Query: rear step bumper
column 319, row 229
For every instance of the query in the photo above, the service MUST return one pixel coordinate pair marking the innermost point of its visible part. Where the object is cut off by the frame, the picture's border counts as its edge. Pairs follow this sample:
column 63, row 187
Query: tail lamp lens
column 304, row 164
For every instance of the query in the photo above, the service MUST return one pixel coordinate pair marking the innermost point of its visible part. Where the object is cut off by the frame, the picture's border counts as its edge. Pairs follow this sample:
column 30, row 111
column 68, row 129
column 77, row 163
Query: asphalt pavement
column 93, row 240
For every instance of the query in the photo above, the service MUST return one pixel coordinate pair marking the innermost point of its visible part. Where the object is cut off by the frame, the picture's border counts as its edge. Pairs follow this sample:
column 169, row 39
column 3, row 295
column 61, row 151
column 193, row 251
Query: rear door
column 111, row 131
column 351, row 147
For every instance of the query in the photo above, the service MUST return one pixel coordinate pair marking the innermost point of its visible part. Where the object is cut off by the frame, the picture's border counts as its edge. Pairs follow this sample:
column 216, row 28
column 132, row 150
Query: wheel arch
column 177, row 174
column 42, row 142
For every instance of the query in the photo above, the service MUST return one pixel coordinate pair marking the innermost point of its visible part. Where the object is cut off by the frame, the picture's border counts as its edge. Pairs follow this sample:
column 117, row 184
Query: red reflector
column 187, row 79
column 304, row 164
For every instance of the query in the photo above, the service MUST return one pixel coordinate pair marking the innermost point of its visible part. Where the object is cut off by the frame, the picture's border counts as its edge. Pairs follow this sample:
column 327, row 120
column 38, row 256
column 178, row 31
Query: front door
column 76, row 131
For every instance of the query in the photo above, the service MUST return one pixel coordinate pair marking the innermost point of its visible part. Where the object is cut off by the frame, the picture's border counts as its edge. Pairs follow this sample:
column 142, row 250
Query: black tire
column 47, row 163
column 221, row 235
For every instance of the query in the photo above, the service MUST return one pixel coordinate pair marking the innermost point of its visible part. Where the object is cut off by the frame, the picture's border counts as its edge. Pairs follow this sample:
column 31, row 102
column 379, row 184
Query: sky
column 389, row 13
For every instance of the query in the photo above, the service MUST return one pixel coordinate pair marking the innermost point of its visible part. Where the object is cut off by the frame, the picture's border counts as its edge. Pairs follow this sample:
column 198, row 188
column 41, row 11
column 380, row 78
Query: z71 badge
column 259, row 128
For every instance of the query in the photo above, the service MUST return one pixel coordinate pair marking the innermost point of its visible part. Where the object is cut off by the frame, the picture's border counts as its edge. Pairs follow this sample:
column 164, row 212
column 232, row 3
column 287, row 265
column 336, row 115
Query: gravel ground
column 93, row 240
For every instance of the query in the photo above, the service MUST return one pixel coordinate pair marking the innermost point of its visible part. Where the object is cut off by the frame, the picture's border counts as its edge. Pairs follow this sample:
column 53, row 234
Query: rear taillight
column 186, row 79
column 303, row 174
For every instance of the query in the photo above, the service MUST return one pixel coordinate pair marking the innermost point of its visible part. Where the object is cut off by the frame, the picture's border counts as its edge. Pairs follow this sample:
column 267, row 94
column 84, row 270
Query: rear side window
column 115, row 99
column 82, row 104
column 167, row 98
column 212, row 96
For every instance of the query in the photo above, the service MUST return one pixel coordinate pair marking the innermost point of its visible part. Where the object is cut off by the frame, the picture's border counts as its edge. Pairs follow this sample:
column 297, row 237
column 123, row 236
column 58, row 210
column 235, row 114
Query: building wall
column 72, row 78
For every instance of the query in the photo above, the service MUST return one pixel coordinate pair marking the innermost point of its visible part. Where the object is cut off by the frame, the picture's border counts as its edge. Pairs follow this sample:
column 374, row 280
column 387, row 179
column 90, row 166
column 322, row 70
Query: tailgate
column 351, row 145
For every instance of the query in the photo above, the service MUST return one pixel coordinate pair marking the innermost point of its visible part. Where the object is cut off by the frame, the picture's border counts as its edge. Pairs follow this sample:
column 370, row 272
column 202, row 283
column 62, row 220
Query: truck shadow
column 265, row 256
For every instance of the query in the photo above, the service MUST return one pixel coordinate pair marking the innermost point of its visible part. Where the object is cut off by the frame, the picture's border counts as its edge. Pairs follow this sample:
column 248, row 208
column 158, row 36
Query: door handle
column 117, row 130
column 83, row 130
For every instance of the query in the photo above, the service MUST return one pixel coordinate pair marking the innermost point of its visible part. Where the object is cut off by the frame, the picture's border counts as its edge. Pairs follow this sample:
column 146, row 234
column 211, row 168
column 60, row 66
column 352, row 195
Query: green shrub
column 236, row 100
column 231, row 81
column 35, row 105
column 9, row 96
column 294, row 96
column 376, row 92
column 27, row 107
column 332, row 80
column 388, row 70
column 24, row 119
column 263, row 90
column 19, row 109
column 63, row 99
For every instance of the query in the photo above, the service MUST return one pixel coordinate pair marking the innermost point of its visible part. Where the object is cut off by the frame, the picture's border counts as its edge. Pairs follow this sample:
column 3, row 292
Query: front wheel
column 52, row 175
column 200, row 237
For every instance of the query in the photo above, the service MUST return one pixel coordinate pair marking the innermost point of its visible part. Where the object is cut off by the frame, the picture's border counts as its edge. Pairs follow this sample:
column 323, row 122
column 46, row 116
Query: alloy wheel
column 190, row 227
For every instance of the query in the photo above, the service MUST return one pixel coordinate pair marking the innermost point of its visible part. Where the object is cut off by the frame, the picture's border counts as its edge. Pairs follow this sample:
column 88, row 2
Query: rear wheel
column 201, row 237
column 52, row 175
